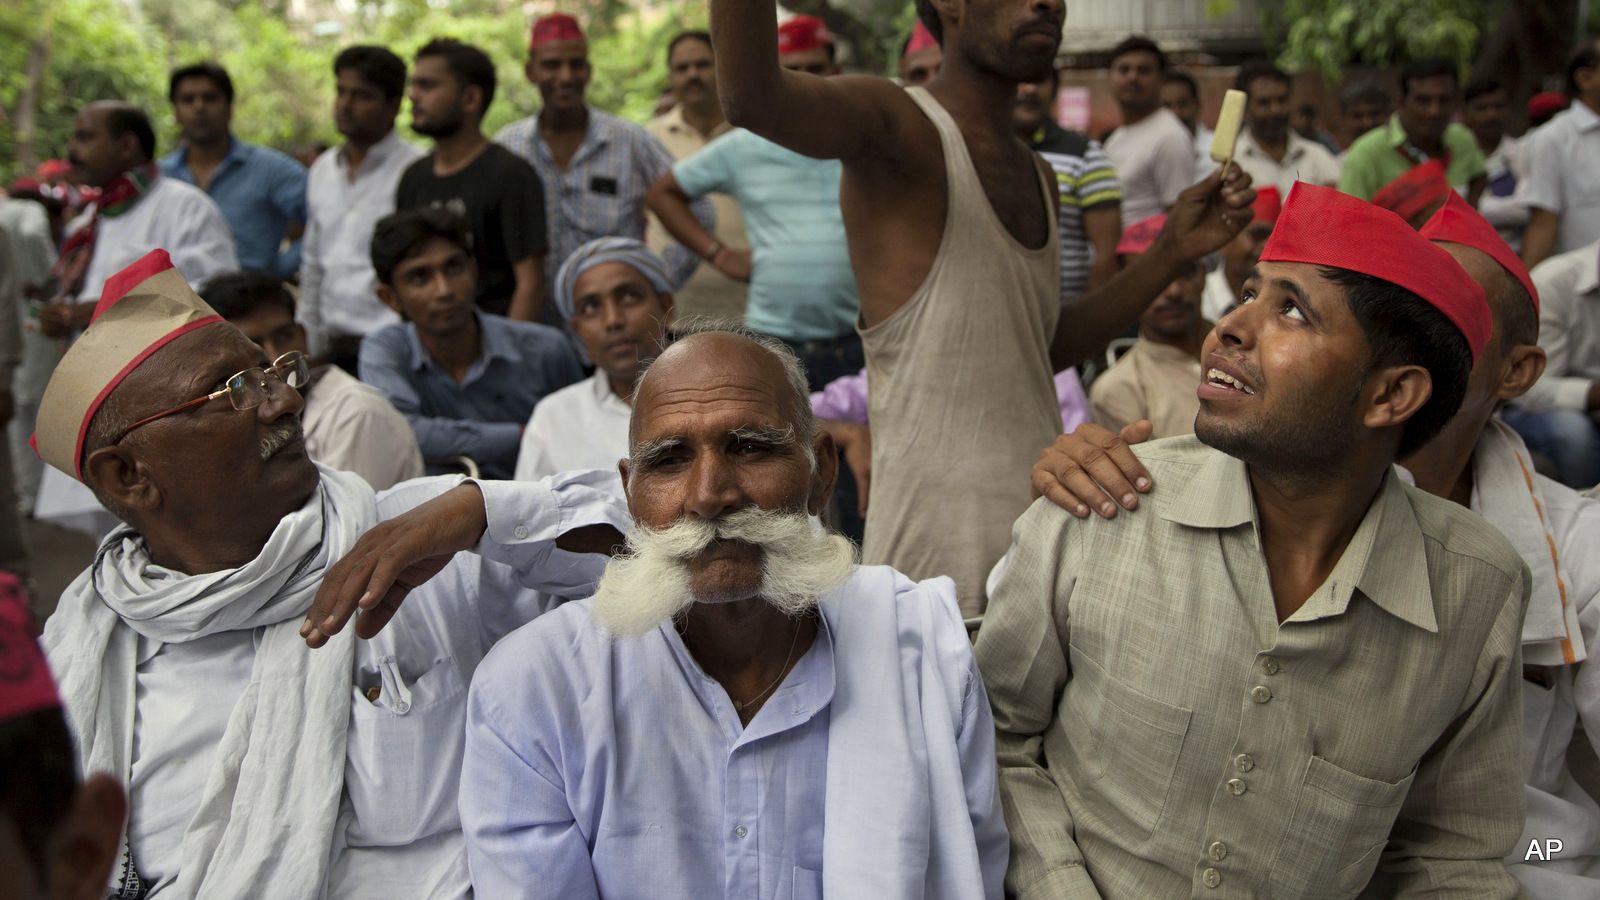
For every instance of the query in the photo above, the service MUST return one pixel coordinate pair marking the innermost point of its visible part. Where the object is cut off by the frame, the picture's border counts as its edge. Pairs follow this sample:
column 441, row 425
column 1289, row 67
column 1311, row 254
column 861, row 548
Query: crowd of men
column 838, row 487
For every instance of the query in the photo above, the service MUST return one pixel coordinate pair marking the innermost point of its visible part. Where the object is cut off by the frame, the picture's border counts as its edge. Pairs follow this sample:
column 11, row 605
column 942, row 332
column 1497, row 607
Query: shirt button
column 1270, row 665
column 1244, row 762
column 520, row 532
column 741, row 831
column 1218, row 851
column 1211, row 878
column 1261, row 693
column 1236, row 786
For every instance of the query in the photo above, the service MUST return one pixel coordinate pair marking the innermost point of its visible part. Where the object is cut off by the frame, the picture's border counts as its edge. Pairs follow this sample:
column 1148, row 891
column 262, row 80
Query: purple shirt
column 845, row 399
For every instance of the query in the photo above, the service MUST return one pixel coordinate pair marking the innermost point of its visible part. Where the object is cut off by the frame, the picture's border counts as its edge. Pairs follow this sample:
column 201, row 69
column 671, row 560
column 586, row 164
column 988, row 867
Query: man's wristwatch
column 711, row 252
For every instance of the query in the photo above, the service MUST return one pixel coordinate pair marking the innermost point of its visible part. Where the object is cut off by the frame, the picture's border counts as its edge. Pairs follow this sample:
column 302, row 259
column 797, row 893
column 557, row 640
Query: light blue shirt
column 619, row 769
column 261, row 192
column 801, row 285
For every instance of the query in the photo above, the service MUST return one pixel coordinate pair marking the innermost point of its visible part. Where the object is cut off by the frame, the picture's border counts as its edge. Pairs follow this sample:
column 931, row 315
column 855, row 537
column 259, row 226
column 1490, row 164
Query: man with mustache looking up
column 466, row 380
column 256, row 766
column 739, row 708
column 616, row 296
column 961, row 313
column 1200, row 682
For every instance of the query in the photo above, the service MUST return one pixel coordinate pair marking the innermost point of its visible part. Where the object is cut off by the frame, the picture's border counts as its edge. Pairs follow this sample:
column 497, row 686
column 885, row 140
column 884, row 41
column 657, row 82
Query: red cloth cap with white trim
column 554, row 27
column 921, row 39
column 1268, row 205
column 1412, row 193
column 25, row 684
column 803, row 33
column 141, row 310
column 1324, row 227
column 1458, row 223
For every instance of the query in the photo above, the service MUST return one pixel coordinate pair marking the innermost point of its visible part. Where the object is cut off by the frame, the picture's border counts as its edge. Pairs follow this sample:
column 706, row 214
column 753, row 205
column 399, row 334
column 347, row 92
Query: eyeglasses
column 246, row 390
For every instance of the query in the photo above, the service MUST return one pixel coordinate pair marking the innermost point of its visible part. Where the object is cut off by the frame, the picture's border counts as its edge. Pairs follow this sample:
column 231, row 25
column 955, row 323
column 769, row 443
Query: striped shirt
column 601, row 191
column 1087, row 182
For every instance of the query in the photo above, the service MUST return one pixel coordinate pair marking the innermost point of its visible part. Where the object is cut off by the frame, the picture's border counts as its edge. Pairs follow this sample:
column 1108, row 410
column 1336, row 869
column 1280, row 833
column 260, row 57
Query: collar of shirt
column 373, row 161
column 596, row 135
column 238, row 155
column 493, row 342
column 1248, row 146
column 805, row 691
column 1386, row 559
column 604, row 396
column 1582, row 117
column 1166, row 354
column 676, row 123
column 1589, row 274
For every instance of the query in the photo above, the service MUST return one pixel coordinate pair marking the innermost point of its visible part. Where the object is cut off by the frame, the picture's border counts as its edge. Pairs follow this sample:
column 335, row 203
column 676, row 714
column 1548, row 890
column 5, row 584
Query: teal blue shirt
column 801, row 285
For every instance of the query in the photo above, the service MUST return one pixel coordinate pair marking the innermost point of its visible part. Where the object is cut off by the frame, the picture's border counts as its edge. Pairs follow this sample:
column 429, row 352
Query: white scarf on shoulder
column 267, row 815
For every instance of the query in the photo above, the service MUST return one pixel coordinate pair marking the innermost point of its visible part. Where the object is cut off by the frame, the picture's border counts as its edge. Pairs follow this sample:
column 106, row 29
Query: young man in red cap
column 1155, row 378
column 1225, row 284
column 255, row 765
column 950, row 221
column 1293, row 668
column 595, row 166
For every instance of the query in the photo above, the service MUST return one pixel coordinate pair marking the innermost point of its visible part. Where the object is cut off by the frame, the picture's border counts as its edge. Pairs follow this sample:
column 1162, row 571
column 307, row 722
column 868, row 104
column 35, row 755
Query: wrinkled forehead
column 707, row 385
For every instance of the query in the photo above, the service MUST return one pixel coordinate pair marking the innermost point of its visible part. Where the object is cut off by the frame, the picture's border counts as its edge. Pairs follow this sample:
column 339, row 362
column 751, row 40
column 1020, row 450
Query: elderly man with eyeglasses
column 256, row 766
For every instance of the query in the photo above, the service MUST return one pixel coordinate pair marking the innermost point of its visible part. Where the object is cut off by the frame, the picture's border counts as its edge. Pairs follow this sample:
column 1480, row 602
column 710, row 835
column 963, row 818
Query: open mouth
column 1221, row 379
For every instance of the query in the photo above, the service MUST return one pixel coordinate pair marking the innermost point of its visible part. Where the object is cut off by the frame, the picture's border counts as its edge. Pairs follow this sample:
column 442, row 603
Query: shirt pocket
column 1136, row 742
column 1340, row 826
column 807, row 885
column 404, row 754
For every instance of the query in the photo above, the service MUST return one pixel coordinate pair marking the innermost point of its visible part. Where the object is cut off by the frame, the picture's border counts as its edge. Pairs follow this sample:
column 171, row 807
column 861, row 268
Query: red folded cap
column 921, row 39
column 1420, row 187
column 25, row 684
column 1458, row 223
column 1268, row 205
column 1546, row 104
column 554, row 27
column 54, row 168
column 803, row 33
column 1324, row 227
column 1138, row 237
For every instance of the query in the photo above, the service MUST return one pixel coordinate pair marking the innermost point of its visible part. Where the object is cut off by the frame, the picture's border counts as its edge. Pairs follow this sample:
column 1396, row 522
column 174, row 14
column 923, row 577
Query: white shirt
column 1569, row 329
column 1304, row 160
column 581, row 426
column 338, row 288
column 1154, row 159
column 1203, row 164
column 1218, row 297
column 173, row 216
column 400, row 833
column 1563, row 161
column 29, row 226
column 1504, row 202
column 352, row 427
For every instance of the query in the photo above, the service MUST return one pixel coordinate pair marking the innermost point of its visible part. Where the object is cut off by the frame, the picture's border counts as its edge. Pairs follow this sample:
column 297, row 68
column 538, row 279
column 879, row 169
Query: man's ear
column 949, row 14
column 84, row 848
column 826, row 475
column 390, row 299
column 119, row 475
column 1523, row 368
column 528, row 69
column 1396, row 394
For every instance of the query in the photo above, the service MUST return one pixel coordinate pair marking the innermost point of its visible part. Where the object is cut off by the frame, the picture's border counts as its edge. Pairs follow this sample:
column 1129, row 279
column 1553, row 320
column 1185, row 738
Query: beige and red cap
column 142, row 309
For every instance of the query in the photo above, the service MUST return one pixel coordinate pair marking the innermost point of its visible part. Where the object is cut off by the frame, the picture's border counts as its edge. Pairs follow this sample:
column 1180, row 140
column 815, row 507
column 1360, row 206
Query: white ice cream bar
column 1228, row 124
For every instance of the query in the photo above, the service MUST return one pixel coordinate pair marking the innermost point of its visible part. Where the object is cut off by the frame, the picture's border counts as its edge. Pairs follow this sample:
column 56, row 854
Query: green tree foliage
column 1330, row 34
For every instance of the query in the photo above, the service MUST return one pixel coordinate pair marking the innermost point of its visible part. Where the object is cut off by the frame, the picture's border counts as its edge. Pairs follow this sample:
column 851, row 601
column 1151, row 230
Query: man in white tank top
column 960, row 307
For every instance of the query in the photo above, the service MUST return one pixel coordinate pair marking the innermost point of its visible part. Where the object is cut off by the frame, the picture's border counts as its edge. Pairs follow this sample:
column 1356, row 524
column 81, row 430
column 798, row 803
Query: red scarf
column 122, row 194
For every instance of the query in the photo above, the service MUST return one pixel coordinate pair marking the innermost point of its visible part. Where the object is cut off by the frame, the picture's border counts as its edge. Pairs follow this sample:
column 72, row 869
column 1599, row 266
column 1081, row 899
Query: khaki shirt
column 1160, row 734
column 1152, row 381
column 708, row 292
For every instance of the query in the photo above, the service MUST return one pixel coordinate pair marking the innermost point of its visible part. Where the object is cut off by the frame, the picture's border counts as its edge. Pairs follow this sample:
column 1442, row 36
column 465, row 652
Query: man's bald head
column 708, row 354
column 1515, row 321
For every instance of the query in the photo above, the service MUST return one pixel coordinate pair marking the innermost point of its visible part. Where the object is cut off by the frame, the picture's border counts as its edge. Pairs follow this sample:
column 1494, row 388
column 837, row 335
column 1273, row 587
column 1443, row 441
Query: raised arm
column 843, row 117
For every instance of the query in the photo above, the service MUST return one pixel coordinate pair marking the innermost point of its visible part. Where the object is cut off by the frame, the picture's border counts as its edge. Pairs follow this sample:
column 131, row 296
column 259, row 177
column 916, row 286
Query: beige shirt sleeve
column 1115, row 399
column 358, row 431
column 1020, row 654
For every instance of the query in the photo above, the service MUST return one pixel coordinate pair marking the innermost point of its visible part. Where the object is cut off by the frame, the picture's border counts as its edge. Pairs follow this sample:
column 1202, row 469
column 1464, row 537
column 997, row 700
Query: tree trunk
column 1528, row 45
column 28, row 102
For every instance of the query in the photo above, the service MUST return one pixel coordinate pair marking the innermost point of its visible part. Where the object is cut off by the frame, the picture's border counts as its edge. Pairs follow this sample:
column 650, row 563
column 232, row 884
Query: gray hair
column 794, row 374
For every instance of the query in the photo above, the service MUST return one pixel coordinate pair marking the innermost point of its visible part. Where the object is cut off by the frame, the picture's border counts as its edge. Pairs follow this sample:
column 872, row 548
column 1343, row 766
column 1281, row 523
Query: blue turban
column 605, row 250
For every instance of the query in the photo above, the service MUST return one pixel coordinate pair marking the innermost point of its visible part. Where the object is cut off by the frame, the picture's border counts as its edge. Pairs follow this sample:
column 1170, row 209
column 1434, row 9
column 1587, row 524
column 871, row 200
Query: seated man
column 466, row 380
column 616, row 293
column 58, row 834
column 181, row 653
column 1481, row 464
column 1157, row 377
column 740, row 708
column 348, row 425
column 1217, row 684
column 1557, row 415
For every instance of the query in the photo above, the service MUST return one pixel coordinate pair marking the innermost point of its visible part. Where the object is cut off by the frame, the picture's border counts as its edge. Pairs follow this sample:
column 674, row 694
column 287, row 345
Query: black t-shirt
column 501, row 198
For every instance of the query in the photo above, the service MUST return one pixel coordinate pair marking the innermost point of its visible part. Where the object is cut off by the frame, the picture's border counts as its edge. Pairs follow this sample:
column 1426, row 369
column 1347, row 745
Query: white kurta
column 581, row 426
column 173, row 216
column 351, row 426
column 399, row 832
